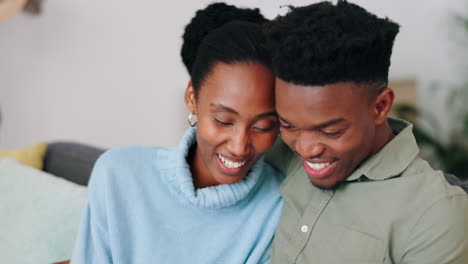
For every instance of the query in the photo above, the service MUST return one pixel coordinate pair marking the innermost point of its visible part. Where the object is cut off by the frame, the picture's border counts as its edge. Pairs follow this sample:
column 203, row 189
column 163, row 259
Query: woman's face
column 237, row 121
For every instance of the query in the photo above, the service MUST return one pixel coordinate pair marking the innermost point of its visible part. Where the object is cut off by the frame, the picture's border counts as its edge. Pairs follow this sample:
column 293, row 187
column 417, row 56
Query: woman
column 211, row 199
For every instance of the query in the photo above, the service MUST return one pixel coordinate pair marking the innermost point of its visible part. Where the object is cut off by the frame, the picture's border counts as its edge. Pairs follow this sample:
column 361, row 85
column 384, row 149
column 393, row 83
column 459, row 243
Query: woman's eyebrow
column 229, row 109
column 226, row 108
column 267, row 114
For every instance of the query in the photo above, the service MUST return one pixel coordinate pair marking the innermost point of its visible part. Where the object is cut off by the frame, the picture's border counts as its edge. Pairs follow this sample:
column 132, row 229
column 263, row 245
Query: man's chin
column 325, row 186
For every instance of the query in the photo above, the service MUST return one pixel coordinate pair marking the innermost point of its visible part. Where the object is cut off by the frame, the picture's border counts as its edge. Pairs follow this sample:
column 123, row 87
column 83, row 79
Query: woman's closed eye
column 222, row 122
column 265, row 125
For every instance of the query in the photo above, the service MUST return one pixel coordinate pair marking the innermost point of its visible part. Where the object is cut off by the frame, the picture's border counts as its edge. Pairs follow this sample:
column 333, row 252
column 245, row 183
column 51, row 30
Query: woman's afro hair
column 212, row 17
column 324, row 43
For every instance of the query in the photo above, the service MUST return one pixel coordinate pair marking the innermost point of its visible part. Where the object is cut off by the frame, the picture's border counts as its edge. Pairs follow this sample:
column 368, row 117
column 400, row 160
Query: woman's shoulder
column 125, row 154
column 132, row 160
column 268, row 188
column 127, row 165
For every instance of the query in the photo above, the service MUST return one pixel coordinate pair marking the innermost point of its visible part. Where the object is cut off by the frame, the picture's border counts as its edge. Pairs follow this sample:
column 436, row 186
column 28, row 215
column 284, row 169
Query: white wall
column 109, row 72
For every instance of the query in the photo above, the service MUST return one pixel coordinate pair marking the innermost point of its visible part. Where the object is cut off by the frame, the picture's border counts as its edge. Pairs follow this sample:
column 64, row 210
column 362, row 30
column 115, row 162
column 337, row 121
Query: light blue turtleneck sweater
column 143, row 208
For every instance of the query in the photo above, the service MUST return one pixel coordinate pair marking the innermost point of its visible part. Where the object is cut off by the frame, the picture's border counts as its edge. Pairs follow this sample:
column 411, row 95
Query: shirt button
column 304, row 228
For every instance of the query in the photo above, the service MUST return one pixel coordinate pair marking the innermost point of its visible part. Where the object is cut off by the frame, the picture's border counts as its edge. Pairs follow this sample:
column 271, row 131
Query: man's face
column 330, row 127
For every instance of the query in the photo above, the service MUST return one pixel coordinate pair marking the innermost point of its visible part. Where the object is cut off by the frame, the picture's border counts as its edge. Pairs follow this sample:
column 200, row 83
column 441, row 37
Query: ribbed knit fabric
column 143, row 208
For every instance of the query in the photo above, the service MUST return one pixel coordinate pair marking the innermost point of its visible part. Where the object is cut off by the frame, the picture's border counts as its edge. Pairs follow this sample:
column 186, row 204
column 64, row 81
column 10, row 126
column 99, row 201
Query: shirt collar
column 393, row 158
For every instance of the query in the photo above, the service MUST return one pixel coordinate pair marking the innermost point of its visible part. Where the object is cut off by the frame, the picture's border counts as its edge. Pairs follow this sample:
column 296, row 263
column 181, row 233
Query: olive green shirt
column 394, row 208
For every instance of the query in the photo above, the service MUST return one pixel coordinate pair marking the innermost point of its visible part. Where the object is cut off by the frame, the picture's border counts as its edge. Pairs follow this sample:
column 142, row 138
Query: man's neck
column 384, row 134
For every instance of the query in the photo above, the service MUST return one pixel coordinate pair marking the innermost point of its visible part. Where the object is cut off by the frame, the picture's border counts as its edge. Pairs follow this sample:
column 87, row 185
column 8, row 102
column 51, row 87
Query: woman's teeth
column 231, row 164
column 317, row 166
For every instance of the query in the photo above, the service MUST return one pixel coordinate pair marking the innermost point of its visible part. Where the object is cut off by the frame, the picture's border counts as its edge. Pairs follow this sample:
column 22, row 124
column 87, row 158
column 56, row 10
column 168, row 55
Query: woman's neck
column 200, row 174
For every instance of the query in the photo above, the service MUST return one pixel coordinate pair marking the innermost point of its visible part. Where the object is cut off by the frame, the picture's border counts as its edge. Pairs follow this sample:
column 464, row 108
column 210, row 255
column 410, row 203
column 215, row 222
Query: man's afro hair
column 324, row 43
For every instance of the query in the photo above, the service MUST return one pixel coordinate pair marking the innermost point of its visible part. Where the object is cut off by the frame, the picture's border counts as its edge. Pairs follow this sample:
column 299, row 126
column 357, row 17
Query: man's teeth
column 317, row 166
column 231, row 164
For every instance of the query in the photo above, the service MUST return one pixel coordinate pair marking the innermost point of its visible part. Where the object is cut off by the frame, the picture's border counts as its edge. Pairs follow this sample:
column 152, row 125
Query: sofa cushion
column 454, row 180
column 39, row 213
column 71, row 161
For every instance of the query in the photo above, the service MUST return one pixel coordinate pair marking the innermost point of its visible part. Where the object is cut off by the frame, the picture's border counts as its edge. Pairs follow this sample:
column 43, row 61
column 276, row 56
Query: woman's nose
column 240, row 143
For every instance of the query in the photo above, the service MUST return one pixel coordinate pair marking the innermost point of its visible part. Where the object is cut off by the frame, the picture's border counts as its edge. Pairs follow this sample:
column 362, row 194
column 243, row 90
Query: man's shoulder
column 422, row 196
column 429, row 181
column 440, row 213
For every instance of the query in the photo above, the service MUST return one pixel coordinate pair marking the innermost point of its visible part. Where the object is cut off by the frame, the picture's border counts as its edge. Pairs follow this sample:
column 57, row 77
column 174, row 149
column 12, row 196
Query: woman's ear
column 382, row 105
column 190, row 98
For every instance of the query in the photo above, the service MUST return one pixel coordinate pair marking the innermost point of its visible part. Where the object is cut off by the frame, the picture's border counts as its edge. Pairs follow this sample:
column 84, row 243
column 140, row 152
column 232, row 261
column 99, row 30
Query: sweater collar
column 223, row 195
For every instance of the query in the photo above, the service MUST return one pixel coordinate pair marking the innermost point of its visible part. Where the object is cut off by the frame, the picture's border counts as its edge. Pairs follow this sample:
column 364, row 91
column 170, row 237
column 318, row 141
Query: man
column 356, row 191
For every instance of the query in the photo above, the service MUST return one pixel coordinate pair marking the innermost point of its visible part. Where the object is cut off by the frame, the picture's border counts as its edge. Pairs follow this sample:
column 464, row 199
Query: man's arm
column 441, row 234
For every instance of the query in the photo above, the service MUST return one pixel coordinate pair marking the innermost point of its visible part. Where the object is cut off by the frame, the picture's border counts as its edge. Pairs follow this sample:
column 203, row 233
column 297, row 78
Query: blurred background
column 109, row 73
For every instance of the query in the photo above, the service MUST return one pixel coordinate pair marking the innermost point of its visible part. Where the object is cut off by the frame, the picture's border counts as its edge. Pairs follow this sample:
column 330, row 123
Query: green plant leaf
column 423, row 138
column 463, row 21
column 456, row 160
column 407, row 112
column 465, row 127
column 415, row 115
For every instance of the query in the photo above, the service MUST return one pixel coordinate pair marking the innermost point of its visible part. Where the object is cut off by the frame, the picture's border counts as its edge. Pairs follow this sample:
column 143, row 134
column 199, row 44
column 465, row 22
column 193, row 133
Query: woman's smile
column 231, row 166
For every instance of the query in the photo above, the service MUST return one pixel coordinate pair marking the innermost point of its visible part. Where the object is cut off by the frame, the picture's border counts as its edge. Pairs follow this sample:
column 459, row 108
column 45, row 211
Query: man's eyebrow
column 329, row 123
column 282, row 119
column 229, row 109
column 316, row 127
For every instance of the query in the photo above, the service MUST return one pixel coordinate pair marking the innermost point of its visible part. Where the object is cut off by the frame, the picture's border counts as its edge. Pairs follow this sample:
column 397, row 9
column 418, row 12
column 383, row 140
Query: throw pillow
column 39, row 214
column 32, row 156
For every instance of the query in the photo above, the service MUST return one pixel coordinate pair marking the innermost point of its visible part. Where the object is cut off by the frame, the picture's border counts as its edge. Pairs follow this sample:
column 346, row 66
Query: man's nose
column 307, row 145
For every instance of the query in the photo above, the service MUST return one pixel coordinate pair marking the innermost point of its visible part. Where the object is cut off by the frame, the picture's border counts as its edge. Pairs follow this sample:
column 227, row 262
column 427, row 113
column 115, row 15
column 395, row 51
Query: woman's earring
column 192, row 119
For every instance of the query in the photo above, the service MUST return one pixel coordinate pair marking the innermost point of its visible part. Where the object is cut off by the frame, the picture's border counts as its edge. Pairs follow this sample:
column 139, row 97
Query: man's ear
column 190, row 98
column 382, row 105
